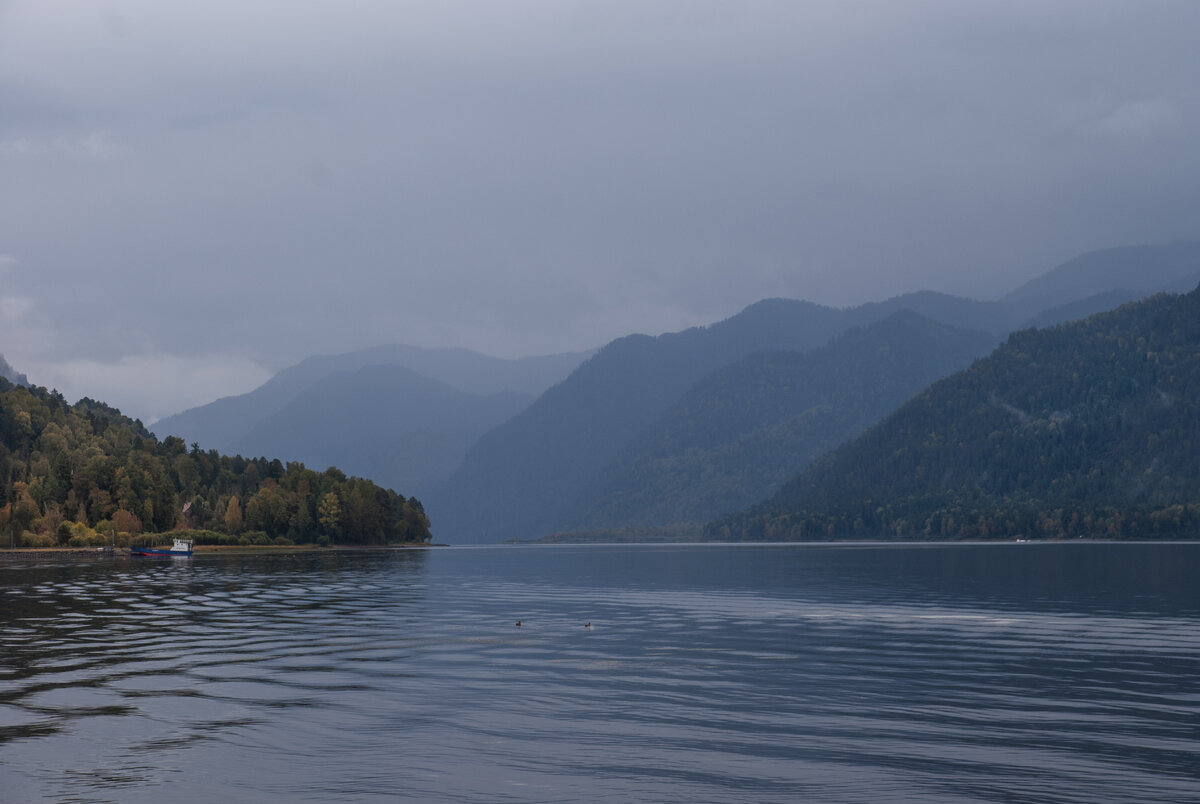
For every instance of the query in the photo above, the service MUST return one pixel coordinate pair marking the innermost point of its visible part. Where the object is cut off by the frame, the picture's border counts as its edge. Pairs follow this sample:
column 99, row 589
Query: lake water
column 997, row 673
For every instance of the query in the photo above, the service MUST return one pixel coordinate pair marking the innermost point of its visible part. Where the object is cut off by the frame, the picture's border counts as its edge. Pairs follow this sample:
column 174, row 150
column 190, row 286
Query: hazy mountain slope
column 1110, row 300
column 998, row 318
column 222, row 423
column 516, row 480
column 11, row 374
column 1144, row 269
column 744, row 429
column 520, row 480
column 1090, row 428
column 386, row 423
column 470, row 372
column 1101, row 302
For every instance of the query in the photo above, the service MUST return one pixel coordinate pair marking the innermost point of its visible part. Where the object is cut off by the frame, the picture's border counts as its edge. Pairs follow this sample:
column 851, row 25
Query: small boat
column 182, row 547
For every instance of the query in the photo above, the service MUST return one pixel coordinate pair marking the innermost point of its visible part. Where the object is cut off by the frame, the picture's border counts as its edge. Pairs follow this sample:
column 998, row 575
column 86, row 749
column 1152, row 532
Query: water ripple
column 750, row 677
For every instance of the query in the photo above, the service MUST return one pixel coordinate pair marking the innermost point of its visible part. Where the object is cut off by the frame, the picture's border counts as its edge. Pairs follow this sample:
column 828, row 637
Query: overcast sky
column 194, row 195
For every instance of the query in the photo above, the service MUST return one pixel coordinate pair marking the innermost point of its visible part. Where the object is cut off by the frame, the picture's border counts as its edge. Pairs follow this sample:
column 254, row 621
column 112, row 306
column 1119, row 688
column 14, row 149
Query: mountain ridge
column 1087, row 428
column 221, row 423
column 744, row 429
column 413, row 442
column 522, row 477
column 519, row 480
column 1146, row 269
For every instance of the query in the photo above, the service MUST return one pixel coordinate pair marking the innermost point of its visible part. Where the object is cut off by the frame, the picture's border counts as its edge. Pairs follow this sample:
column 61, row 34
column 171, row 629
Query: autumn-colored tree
column 89, row 463
column 233, row 516
column 25, row 510
column 329, row 514
column 126, row 522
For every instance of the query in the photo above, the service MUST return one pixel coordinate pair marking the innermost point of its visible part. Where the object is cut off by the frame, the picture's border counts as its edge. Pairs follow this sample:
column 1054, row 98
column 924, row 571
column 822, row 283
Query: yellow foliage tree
column 233, row 516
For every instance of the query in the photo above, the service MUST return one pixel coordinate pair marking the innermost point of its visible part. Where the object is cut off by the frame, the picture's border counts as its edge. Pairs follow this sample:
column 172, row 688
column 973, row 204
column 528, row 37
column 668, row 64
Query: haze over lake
column 553, row 280
column 932, row 673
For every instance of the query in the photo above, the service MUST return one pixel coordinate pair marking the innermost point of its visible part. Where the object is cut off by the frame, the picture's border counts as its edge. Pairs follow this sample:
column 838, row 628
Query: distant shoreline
column 561, row 542
column 218, row 549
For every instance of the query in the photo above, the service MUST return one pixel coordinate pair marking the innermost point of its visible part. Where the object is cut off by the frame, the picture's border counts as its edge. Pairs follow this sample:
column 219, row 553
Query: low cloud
column 96, row 146
column 13, row 308
column 301, row 178
column 1140, row 120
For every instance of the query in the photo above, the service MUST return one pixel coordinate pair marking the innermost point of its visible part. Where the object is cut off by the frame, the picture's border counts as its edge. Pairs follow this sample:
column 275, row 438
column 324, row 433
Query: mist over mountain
column 996, row 317
column 648, row 430
column 523, row 478
column 1088, row 428
column 1074, row 311
column 532, row 474
column 228, row 421
column 742, row 430
column 517, row 479
column 11, row 374
column 384, row 422
column 1141, row 270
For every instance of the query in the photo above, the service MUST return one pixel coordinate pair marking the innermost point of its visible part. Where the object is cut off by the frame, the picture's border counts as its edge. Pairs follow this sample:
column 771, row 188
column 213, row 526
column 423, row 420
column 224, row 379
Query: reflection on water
column 954, row 673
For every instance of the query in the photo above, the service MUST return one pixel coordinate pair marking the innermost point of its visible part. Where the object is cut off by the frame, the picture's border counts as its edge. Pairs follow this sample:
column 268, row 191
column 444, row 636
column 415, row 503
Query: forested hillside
column 1089, row 429
column 83, row 474
column 743, row 430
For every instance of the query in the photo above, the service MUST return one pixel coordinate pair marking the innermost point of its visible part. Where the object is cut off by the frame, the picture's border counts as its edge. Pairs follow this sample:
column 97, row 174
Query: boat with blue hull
column 181, row 547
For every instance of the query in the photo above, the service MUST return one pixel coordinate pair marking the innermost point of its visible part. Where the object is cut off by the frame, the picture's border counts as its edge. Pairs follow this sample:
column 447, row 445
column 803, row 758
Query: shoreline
column 218, row 549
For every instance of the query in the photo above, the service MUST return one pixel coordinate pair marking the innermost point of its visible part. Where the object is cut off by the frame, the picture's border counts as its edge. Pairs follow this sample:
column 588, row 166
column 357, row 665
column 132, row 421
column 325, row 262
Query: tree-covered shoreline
column 84, row 474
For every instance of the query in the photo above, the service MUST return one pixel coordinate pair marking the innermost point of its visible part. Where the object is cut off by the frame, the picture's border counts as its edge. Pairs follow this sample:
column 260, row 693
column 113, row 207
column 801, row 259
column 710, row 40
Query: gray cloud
column 265, row 180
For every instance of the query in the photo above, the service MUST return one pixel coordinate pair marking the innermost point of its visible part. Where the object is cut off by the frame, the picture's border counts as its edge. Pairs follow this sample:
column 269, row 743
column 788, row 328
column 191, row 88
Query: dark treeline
column 1088, row 429
column 84, row 474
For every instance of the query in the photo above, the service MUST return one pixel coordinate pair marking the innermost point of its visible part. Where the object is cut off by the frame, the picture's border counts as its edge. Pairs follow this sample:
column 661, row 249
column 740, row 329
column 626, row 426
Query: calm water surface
column 1000, row 673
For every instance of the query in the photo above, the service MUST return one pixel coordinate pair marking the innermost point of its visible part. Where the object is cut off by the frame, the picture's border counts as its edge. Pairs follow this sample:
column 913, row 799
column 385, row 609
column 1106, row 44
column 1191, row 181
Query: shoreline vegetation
column 593, row 540
column 86, row 476
column 565, row 539
column 224, row 549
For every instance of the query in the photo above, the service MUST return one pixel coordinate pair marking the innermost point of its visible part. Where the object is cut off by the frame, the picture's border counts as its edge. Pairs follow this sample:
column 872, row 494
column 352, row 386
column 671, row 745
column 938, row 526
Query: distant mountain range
column 1087, row 429
column 580, row 455
column 648, row 430
column 401, row 415
column 517, row 479
column 1138, row 270
column 547, row 468
column 742, row 430
column 388, row 423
